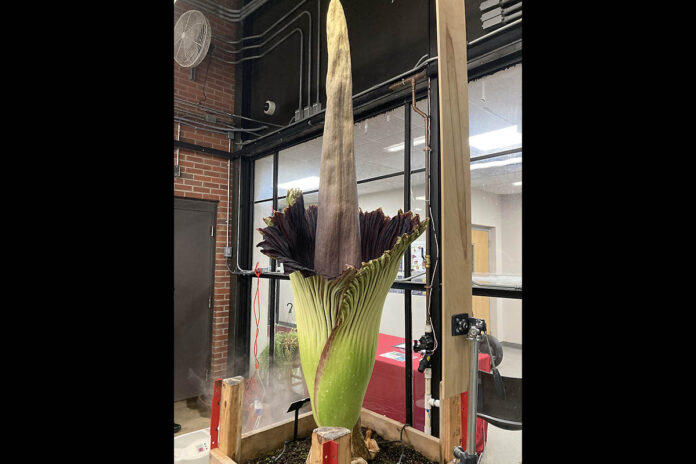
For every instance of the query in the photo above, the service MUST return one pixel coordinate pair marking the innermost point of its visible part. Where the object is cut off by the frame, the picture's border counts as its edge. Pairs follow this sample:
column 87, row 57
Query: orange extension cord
column 257, row 317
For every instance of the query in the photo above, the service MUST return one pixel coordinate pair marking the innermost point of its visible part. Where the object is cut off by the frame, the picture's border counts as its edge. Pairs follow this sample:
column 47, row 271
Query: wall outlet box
column 177, row 171
column 228, row 252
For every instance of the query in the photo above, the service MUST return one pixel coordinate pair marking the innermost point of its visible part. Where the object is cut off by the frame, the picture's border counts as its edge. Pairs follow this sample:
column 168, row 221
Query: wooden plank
column 455, row 220
column 321, row 435
column 389, row 429
column 217, row 457
column 450, row 425
column 230, row 431
column 267, row 439
column 455, row 223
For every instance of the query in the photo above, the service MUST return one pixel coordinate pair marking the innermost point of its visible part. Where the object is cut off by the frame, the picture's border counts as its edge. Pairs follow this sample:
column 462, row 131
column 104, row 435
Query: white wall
column 510, row 311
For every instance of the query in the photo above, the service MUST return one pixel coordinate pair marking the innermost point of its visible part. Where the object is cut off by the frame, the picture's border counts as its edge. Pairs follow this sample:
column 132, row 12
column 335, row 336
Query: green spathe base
column 338, row 328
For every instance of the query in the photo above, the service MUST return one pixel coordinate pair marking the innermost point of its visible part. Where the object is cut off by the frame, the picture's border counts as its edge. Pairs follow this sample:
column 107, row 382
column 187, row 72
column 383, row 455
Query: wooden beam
column 230, row 431
column 217, row 457
column 450, row 425
column 266, row 439
column 389, row 429
column 455, row 223
column 455, row 219
column 321, row 435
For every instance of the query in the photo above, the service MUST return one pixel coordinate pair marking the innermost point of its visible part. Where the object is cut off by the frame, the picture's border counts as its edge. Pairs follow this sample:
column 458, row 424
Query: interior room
column 252, row 110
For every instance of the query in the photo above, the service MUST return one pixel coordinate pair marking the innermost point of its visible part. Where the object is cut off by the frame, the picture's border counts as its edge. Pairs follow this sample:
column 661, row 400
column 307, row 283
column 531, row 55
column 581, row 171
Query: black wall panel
column 386, row 38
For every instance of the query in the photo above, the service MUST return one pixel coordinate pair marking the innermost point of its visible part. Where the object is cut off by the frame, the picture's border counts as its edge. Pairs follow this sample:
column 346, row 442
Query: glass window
column 263, row 178
column 495, row 124
column 298, row 167
column 379, row 145
column 495, row 112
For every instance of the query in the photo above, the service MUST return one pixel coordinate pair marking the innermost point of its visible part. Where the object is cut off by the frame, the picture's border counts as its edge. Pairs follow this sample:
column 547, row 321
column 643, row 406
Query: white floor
column 505, row 446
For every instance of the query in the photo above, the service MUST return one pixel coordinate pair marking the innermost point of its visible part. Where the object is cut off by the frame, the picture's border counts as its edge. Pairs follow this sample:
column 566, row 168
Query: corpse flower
column 341, row 260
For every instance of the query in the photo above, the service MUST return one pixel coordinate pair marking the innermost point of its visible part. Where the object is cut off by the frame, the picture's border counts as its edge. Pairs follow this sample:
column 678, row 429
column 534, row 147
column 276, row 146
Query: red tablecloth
column 386, row 393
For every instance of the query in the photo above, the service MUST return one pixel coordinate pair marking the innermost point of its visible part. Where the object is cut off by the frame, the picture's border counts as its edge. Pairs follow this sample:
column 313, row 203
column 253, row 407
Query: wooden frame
column 272, row 437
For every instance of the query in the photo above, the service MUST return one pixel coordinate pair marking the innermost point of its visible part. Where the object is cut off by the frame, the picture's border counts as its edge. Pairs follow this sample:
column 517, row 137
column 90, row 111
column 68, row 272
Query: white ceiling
column 495, row 102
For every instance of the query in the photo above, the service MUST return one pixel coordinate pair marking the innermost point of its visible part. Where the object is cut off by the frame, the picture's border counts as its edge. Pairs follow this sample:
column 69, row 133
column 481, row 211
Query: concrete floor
column 502, row 446
column 505, row 446
column 192, row 415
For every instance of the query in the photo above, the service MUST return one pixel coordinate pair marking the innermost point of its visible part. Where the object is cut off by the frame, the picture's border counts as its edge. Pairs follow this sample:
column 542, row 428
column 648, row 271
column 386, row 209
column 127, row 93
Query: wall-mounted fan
column 191, row 38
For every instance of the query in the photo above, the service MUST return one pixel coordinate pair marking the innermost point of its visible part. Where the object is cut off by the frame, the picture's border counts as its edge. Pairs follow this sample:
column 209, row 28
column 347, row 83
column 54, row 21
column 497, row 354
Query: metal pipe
column 228, row 13
column 178, row 131
column 269, row 50
column 237, row 42
column 484, row 37
column 408, row 318
column 227, row 231
column 388, row 81
column 195, row 126
column 473, row 393
column 309, row 50
column 231, row 128
column 427, row 405
column 223, row 130
column 318, row 46
column 249, row 47
column 215, row 110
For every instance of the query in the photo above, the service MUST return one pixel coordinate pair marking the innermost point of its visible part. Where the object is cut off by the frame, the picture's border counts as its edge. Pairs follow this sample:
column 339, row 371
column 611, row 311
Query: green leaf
column 338, row 327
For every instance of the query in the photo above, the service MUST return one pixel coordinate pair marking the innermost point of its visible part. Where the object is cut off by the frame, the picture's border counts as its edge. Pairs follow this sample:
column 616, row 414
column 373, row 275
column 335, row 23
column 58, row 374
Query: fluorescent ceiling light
column 517, row 184
column 505, row 137
column 493, row 164
column 422, row 197
column 400, row 146
column 306, row 183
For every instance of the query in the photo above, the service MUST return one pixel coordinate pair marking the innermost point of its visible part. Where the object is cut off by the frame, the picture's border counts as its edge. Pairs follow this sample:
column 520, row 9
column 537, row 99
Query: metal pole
column 473, row 394
column 408, row 336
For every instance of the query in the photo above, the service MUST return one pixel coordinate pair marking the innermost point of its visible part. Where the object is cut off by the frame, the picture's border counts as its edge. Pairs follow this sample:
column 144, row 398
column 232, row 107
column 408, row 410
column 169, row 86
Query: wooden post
column 455, row 220
column 230, row 432
column 450, row 425
column 321, row 435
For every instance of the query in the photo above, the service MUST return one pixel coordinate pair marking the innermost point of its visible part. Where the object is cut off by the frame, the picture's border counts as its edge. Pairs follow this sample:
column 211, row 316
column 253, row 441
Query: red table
column 386, row 393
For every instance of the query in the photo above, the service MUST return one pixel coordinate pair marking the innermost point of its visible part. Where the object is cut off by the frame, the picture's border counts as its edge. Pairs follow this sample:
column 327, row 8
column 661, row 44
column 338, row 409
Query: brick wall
column 204, row 176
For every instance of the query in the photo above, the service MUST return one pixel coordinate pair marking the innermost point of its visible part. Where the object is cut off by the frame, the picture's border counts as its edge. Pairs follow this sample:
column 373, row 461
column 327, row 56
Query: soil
column 389, row 453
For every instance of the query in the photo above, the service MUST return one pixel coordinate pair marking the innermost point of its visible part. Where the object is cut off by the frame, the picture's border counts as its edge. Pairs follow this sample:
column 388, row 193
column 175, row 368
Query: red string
column 257, row 318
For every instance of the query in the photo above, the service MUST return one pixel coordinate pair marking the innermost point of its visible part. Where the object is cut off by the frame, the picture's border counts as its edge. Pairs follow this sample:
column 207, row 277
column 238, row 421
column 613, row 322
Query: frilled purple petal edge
column 290, row 236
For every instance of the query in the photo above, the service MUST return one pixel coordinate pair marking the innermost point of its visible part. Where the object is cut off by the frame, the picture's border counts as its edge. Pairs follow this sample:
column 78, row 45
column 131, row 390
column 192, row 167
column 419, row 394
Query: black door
column 194, row 261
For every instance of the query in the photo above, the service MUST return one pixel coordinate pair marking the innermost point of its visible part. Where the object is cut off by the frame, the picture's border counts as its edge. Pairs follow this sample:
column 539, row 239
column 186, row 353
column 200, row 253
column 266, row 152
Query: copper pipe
column 407, row 80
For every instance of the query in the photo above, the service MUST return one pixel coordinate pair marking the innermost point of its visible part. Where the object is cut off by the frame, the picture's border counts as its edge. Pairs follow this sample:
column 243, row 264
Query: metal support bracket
column 329, row 452
column 215, row 413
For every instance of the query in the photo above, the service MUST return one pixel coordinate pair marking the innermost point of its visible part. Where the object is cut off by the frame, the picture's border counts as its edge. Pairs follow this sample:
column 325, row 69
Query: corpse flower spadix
column 342, row 261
